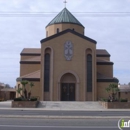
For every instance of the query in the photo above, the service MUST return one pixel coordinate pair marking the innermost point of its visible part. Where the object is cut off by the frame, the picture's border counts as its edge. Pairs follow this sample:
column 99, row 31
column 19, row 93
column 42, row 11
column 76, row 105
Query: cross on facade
column 65, row 2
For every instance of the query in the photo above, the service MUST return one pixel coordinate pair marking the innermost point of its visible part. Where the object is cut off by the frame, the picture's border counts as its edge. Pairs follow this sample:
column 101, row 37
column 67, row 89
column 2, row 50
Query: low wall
column 24, row 104
column 116, row 105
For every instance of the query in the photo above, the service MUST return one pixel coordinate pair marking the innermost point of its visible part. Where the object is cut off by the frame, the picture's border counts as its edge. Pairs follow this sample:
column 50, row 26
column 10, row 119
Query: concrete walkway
column 57, row 105
column 62, row 106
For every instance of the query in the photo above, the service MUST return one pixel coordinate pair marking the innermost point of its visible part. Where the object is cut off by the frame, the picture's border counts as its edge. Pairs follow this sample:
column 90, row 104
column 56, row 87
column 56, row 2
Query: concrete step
column 57, row 105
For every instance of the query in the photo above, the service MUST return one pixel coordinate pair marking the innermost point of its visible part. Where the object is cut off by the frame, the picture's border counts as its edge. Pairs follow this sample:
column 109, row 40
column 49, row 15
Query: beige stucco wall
column 104, row 58
column 76, row 65
column 35, row 91
column 27, row 57
column 28, row 68
column 52, row 29
column 106, row 70
column 101, row 92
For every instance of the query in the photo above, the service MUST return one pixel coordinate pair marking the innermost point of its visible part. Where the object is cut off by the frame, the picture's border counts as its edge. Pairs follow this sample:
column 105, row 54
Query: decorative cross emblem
column 68, row 50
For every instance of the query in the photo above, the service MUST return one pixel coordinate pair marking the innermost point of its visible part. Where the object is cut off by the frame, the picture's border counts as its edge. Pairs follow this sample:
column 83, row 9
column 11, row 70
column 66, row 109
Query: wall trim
column 104, row 63
column 30, row 62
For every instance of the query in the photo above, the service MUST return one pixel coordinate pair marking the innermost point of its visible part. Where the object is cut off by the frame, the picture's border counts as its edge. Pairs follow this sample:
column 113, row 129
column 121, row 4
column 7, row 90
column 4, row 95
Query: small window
column 46, row 33
column 73, row 29
column 58, row 30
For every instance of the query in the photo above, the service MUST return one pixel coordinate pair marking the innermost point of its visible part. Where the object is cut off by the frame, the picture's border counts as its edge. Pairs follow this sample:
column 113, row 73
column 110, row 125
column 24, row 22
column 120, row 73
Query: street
column 57, row 124
column 64, row 113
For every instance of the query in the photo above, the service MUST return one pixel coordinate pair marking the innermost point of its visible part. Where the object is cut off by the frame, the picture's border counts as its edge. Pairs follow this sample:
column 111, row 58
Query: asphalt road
column 64, row 113
column 54, row 128
column 57, row 124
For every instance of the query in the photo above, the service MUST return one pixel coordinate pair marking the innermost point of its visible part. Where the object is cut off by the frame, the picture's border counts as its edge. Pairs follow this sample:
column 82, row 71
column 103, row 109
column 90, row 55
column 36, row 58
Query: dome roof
column 65, row 17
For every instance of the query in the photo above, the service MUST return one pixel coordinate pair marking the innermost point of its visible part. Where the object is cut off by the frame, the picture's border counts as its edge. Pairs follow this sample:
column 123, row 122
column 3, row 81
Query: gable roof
column 65, row 17
column 102, row 53
column 104, row 78
column 34, row 76
column 103, row 62
column 66, row 31
column 31, row 51
column 124, row 88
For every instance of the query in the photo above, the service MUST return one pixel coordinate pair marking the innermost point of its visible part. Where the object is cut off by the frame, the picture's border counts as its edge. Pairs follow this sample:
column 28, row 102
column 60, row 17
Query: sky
column 23, row 22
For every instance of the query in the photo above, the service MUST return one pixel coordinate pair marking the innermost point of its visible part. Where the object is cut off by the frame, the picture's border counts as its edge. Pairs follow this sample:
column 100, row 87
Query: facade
column 124, row 92
column 67, row 67
column 6, row 93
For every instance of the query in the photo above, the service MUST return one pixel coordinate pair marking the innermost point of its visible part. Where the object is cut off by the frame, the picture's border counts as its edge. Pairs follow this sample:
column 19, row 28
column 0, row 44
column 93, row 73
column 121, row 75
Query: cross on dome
column 65, row 2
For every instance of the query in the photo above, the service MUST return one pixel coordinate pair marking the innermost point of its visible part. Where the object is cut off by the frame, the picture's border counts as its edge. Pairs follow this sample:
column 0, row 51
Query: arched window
column 46, row 72
column 58, row 30
column 89, row 73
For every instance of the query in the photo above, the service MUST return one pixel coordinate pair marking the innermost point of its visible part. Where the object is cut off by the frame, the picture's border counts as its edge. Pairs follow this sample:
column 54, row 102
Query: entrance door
column 68, row 92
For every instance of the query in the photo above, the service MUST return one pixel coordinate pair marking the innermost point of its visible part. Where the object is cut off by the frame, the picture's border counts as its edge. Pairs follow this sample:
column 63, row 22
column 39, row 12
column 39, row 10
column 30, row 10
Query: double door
column 67, row 91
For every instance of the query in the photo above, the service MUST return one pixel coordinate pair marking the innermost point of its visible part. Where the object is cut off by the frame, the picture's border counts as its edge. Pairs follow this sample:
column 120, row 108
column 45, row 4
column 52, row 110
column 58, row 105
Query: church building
column 67, row 67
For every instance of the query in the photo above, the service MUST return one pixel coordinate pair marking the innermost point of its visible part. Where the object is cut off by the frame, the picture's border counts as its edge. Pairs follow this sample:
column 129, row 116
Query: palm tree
column 108, row 91
column 29, row 93
column 19, row 91
column 24, row 83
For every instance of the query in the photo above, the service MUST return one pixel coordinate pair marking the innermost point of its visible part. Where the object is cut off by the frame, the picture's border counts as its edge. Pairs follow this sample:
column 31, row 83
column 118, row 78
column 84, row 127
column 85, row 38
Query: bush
column 2, row 99
column 104, row 99
column 33, row 99
column 18, row 99
column 123, row 100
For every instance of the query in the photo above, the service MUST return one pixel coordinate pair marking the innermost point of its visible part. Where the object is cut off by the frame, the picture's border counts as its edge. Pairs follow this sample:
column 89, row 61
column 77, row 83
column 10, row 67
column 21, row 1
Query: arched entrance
column 68, row 87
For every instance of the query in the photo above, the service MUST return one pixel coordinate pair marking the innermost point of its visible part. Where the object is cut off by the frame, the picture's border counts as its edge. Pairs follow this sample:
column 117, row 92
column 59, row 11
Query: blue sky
column 22, row 25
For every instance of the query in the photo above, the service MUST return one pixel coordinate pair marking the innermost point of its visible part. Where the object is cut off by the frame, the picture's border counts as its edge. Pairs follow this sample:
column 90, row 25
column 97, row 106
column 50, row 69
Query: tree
column 19, row 91
column 24, row 83
column 7, row 86
column 27, row 95
column 112, row 90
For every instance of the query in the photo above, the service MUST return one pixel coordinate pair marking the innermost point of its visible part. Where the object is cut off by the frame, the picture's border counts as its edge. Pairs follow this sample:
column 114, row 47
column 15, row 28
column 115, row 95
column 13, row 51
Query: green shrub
column 123, row 100
column 33, row 99
column 103, row 99
column 18, row 99
column 1, row 99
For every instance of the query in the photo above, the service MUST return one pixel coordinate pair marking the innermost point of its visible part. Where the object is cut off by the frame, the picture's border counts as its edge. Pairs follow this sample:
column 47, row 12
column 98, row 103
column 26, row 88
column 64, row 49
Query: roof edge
column 65, row 23
column 29, row 79
column 65, row 31
column 115, row 80
column 30, row 54
column 102, row 55
column 105, row 63
column 30, row 62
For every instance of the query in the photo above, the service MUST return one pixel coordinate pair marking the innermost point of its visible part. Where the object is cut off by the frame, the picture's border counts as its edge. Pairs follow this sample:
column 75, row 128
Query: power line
column 49, row 14
column 58, row 12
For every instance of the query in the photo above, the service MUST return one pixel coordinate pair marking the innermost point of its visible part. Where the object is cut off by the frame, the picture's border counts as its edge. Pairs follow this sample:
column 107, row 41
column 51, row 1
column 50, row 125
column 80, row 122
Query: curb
column 65, row 117
column 46, row 109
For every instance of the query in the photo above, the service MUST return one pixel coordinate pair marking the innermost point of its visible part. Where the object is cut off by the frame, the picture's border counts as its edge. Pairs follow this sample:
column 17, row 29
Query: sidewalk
column 62, row 106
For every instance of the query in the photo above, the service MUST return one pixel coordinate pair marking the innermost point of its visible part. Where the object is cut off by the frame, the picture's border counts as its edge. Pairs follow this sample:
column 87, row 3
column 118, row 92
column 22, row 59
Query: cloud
column 16, row 33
